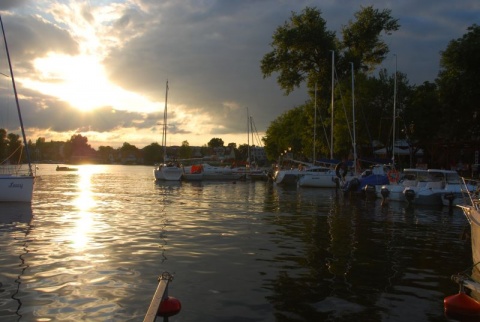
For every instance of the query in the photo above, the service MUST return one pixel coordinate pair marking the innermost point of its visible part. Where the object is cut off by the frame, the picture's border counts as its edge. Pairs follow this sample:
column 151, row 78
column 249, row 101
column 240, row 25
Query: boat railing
column 18, row 170
column 471, row 192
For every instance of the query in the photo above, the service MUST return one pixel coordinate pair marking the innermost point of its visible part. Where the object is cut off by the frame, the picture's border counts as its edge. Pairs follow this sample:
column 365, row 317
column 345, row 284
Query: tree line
column 78, row 150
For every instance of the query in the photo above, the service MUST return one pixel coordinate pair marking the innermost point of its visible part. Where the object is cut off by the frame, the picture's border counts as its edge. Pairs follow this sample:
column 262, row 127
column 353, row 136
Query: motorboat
column 398, row 182
column 369, row 181
column 64, row 168
column 436, row 187
column 452, row 193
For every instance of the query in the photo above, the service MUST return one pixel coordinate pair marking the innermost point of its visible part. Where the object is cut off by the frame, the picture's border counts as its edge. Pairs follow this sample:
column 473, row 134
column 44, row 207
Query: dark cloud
column 11, row 4
column 30, row 37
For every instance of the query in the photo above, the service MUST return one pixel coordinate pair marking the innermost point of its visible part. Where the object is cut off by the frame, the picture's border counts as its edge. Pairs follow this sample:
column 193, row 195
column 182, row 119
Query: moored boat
column 466, row 304
column 398, row 182
column 167, row 171
column 64, row 168
column 430, row 188
column 16, row 181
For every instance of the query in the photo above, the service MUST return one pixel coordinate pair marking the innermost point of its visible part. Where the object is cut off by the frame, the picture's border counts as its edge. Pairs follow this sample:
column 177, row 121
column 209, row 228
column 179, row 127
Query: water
column 93, row 244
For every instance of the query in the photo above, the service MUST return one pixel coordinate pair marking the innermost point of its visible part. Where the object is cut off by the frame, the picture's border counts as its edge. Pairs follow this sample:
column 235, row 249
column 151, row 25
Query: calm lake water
column 93, row 243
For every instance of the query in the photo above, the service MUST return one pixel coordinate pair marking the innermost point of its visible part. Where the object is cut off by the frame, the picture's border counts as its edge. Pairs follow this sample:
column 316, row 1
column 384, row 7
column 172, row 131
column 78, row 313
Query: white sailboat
column 16, row 182
column 167, row 171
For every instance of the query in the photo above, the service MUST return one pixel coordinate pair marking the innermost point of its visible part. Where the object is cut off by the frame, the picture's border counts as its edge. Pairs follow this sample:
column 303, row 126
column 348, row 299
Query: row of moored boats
column 206, row 172
column 432, row 187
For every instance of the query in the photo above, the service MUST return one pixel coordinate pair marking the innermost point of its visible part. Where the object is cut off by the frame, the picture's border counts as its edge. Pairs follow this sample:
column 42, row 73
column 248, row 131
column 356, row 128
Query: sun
column 82, row 82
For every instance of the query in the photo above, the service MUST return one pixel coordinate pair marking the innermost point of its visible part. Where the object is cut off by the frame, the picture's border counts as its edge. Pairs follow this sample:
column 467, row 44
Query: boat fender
column 369, row 189
column 409, row 195
column 450, row 196
column 461, row 306
column 385, row 192
column 341, row 170
column 352, row 185
column 169, row 306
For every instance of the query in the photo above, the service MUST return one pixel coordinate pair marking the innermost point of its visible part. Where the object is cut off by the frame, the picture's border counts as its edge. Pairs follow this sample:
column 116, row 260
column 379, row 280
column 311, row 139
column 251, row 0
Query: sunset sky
column 99, row 67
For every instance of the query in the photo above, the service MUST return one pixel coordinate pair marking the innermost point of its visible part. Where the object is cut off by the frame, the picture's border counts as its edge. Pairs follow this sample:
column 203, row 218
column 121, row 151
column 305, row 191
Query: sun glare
column 82, row 82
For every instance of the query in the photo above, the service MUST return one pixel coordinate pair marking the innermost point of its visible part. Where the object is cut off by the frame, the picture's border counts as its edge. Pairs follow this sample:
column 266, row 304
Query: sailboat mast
column 164, row 135
column 394, row 110
column 248, row 139
column 315, row 125
column 333, row 84
column 16, row 98
column 354, row 121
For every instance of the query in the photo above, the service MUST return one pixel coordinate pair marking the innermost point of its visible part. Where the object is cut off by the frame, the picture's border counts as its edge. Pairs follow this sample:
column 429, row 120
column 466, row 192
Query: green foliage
column 301, row 51
column 185, row 151
column 286, row 132
column 458, row 86
column 152, row 153
column 14, row 148
column 215, row 143
column 362, row 43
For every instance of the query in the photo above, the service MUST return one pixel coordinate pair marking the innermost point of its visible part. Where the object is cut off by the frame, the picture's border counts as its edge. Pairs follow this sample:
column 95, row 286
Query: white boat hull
column 14, row 188
column 394, row 191
column 167, row 173
column 287, row 176
column 318, row 180
column 221, row 173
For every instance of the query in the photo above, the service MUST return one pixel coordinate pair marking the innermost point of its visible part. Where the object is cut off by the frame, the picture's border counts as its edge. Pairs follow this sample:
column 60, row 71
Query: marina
column 94, row 243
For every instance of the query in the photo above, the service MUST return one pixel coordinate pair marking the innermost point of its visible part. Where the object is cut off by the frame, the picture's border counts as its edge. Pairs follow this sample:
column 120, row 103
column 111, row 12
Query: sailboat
column 167, row 171
column 16, row 182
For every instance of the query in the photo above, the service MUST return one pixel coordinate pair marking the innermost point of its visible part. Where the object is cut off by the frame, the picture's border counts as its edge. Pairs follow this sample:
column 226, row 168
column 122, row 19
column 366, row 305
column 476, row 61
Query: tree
column 458, row 88
column 14, row 147
column 106, row 154
column 215, row 143
column 420, row 126
column 185, row 151
column 362, row 43
column 3, row 145
column 287, row 131
column 77, row 149
column 153, row 153
column 302, row 47
column 302, row 50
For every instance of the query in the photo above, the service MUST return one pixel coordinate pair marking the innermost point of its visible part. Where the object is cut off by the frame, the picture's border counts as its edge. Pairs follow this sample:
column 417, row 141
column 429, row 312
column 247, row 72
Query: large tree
column 302, row 47
column 302, row 51
column 458, row 86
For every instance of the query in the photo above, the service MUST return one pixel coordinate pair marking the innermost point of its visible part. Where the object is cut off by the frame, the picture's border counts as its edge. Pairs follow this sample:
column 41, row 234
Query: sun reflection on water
column 80, row 237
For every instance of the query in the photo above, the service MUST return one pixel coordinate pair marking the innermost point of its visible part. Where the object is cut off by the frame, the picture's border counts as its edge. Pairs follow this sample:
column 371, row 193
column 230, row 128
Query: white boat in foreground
column 471, row 209
column 16, row 182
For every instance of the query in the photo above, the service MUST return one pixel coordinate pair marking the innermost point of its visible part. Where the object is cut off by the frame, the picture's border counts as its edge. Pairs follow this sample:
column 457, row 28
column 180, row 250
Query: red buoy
column 169, row 307
column 462, row 306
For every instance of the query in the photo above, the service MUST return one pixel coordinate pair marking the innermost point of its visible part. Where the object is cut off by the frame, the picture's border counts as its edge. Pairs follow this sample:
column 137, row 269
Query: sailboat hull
column 167, row 173
column 16, row 188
